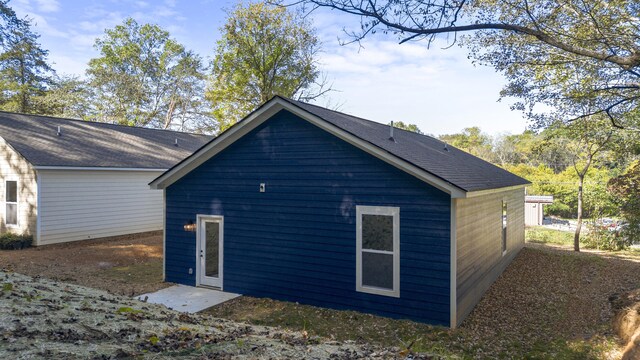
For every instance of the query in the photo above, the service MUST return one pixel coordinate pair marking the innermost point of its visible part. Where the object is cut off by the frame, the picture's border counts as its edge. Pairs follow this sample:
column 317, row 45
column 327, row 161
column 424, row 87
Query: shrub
column 603, row 238
column 10, row 241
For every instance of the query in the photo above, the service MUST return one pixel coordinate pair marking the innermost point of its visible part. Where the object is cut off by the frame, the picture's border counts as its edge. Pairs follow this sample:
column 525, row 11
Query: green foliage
column 603, row 238
column 11, row 241
column 543, row 235
column 571, row 66
column 25, row 73
column 265, row 50
column 471, row 140
column 409, row 127
column 154, row 340
column 626, row 193
column 68, row 96
column 128, row 310
column 145, row 78
column 7, row 287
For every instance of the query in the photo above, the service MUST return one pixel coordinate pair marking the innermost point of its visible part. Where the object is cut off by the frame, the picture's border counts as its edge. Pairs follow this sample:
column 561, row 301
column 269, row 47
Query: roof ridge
column 360, row 118
column 99, row 123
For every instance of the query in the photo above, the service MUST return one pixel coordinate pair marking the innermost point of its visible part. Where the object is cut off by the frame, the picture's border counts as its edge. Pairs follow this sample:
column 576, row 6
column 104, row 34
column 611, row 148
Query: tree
column 25, row 72
column 67, row 96
column 626, row 190
column 409, row 127
column 579, row 57
column 471, row 140
column 145, row 78
column 584, row 141
column 264, row 51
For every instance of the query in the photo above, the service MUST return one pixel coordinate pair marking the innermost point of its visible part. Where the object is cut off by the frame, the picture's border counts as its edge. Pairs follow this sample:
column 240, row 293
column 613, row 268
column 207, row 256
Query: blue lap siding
column 297, row 240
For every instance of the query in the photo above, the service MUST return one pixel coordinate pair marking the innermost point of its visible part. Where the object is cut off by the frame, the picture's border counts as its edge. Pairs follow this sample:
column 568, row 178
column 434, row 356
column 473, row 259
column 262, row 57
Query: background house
column 301, row 203
column 66, row 180
column 534, row 208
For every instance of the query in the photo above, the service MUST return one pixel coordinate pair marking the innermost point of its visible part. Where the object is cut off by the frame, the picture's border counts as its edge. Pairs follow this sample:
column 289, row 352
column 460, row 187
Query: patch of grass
column 128, row 310
column 7, row 287
column 148, row 272
column 541, row 235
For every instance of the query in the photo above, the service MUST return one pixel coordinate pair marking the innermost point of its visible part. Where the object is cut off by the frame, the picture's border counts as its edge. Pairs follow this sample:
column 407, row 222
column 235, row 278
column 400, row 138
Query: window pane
column 377, row 270
column 12, row 191
column 377, row 232
column 504, row 214
column 12, row 214
column 211, row 250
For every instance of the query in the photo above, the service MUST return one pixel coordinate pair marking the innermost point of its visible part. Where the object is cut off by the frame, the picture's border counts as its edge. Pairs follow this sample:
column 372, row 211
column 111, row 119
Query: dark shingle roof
column 92, row 144
column 455, row 166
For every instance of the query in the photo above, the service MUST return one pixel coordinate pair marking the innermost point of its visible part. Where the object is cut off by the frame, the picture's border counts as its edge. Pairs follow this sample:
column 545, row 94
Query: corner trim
column 453, row 290
column 164, row 235
column 38, row 203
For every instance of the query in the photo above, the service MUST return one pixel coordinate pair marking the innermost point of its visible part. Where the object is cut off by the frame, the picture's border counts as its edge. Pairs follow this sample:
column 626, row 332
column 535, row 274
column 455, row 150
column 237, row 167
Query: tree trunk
column 576, row 237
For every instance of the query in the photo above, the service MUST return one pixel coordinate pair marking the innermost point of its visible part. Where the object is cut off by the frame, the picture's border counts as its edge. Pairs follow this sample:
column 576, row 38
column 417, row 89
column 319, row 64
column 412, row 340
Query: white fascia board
column 270, row 109
column 471, row 194
column 96, row 168
column 217, row 145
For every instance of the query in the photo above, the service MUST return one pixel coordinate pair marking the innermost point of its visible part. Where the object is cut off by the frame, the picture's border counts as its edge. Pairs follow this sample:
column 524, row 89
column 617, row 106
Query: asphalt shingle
column 453, row 165
column 92, row 144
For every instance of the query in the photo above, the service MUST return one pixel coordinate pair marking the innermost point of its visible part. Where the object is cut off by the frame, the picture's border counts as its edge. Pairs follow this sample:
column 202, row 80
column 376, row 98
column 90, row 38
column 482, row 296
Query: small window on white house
column 378, row 250
column 11, row 201
column 504, row 227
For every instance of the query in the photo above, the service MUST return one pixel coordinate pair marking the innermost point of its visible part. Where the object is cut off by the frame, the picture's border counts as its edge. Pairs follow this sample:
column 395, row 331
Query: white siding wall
column 86, row 204
column 533, row 214
column 14, row 167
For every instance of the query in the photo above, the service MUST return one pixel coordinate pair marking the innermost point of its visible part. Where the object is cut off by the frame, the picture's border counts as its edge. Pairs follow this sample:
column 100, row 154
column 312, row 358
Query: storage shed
column 66, row 180
column 301, row 203
column 534, row 209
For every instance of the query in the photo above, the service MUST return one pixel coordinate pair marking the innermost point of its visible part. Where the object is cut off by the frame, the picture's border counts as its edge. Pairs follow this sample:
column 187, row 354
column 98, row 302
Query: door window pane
column 377, row 232
column 377, row 270
column 212, row 232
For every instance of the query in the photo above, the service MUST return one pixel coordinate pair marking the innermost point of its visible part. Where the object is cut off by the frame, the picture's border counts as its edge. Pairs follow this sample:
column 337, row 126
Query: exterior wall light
column 190, row 226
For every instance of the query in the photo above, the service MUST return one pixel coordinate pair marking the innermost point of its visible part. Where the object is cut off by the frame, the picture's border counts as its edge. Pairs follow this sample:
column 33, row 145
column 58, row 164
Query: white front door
column 210, row 240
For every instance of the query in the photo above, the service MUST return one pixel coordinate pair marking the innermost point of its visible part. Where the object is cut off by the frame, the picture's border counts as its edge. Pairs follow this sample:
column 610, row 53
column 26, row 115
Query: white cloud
column 439, row 90
column 48, row 6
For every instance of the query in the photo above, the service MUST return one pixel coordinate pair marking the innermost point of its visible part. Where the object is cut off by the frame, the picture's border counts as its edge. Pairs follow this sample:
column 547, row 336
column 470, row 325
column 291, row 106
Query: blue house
column 301, row 203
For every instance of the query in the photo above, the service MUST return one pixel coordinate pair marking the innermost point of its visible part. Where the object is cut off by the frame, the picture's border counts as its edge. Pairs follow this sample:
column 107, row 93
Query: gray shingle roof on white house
column 92, row 144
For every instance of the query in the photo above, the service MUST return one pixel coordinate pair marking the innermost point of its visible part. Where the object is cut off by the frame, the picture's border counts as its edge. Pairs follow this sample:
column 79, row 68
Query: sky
column 440, row 90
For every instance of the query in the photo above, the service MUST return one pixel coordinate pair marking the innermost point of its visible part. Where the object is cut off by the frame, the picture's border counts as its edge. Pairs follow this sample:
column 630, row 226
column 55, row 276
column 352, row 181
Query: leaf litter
column 41, row 318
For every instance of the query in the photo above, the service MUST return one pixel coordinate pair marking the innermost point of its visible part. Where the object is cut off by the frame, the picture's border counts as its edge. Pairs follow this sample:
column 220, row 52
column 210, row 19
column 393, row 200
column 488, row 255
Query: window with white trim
column 504, row 227
column 11, row 202
column 378, row 250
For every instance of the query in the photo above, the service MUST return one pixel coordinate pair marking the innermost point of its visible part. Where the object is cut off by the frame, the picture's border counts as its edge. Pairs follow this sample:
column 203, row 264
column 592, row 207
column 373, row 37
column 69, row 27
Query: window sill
column 378, row 291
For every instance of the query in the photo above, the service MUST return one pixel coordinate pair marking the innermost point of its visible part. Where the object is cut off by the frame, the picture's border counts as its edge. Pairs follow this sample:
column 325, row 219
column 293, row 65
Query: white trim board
column 453, row 285
column 265, row 112
column 394, row 212
column 200, row 220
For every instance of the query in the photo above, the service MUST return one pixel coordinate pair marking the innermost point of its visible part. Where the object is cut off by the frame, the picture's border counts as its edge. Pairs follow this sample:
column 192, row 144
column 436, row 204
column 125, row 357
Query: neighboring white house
column 534, row 209
column 67, row 180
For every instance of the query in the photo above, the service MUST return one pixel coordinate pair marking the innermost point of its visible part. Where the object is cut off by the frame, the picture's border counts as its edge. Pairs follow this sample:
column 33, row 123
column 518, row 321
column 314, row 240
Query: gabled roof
column 93, row 144
column 443, row 166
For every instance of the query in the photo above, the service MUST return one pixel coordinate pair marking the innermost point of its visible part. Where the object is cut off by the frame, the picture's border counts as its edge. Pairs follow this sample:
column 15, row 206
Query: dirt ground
column 550, row 303
column 125, row 265
column 44, row 319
